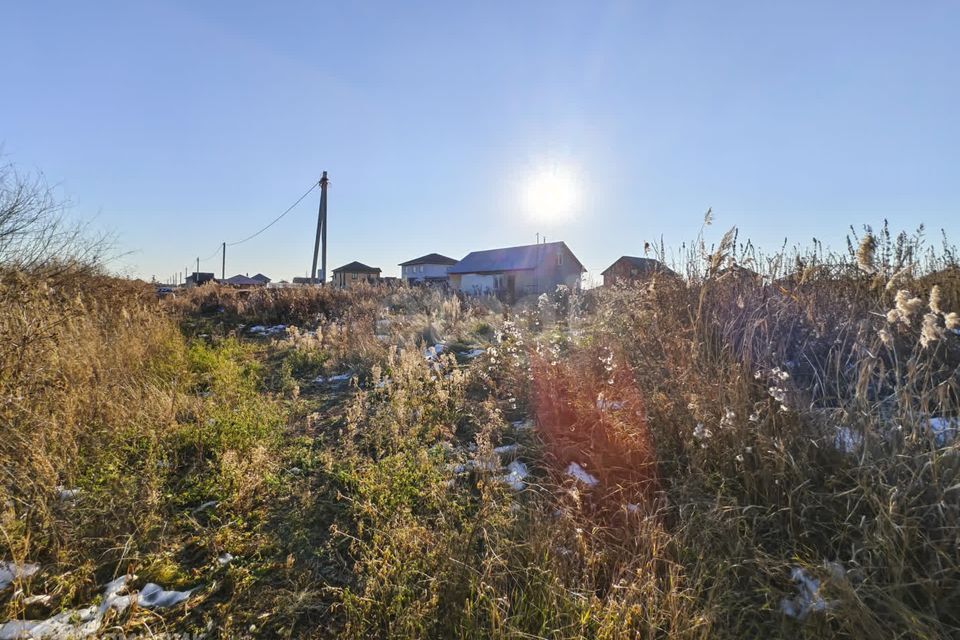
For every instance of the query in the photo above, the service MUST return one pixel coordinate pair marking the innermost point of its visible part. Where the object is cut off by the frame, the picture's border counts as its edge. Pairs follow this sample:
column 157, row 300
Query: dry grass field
column 720, row 455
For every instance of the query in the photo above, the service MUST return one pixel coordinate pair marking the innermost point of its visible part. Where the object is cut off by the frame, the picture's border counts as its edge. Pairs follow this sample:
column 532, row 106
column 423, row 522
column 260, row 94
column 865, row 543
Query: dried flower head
column 935, row 299
column 930, row 331
column 952, row 320
column 886, row 337
column 906, row 306
column 866, row 252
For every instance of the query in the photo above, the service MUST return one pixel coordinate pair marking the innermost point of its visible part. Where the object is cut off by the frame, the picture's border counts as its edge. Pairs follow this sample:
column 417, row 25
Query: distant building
column 514, row 272
column 262, row 279
column 196, row 279
column 633, row 269
column 353, row 274
column 431, row 268
column 738, row 274
column 242, row 281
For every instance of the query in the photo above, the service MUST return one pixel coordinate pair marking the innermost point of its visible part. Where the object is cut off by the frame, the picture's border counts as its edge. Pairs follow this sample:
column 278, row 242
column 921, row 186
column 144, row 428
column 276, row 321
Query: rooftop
column 430, row 258
column 527, row 256
column 356, row 267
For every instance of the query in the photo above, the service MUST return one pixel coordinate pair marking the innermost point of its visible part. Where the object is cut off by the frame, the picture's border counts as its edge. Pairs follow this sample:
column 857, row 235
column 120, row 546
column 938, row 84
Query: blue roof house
column 514, row 272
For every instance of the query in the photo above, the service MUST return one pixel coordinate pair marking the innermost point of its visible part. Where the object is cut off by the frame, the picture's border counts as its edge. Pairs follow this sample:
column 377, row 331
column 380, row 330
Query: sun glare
column 552, row 194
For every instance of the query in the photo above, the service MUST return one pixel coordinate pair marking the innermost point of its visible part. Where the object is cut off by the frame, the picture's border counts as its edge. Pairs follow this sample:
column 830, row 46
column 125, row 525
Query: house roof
column 260, row 277
column 642, row 264
column 356, row 267
column 508, row 259
column 241, row 280
column 430, row 258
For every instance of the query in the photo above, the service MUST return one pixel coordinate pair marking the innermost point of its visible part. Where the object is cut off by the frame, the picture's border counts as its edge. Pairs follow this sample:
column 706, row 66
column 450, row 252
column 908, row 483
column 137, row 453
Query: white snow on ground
column 473, row 353
column 153, row 596
column 431, row 353
column 10, row 571
column 944, row 429
column 608, row 405
column 808, row 598
column 67, row 494
column 343, row 377
column 847, row 440
column 516, row 473
column 507, row 450
column 578, row 473
column 522, row 425
column 261, row 330
column 225, row 558
column 86, row 621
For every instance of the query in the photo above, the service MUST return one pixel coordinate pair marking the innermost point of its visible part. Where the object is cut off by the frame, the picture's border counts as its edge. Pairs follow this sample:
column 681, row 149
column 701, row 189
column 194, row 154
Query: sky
column 180, row 125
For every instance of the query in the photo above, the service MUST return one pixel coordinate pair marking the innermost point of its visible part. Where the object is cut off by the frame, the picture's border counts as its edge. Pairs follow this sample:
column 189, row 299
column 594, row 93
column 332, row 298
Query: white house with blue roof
column 514, row 272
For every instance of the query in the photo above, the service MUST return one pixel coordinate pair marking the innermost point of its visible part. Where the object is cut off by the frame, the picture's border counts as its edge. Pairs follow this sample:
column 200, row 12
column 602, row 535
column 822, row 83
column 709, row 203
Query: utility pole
column 197, row 275
column 321, row 234
column 223, row 268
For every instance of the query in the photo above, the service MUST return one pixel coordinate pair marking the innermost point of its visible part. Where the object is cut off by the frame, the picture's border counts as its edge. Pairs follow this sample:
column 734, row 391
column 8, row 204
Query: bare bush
column 35, row 233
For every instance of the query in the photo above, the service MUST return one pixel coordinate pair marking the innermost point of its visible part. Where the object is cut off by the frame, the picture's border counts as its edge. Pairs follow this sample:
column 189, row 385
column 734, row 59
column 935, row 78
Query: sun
column 552, row 194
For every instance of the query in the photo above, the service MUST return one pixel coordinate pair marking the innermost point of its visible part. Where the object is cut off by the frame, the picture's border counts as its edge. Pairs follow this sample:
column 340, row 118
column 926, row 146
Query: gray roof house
column 431, row 268
column 514, row 272
column 242, row 281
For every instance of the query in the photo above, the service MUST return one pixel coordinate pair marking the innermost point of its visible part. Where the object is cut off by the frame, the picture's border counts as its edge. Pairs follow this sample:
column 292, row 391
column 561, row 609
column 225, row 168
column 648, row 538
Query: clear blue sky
column 181, row 124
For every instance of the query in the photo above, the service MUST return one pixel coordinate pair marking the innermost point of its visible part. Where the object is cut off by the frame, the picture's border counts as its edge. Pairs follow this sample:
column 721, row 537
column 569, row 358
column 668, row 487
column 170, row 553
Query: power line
column 211, row 255
column 277, row 219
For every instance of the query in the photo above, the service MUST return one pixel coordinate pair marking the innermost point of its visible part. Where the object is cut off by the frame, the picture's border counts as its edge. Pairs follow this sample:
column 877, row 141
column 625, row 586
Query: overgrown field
column 713, row 455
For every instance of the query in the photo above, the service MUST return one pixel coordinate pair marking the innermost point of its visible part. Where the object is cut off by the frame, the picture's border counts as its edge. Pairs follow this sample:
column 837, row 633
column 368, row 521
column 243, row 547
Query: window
column 559, row 259
column 353, row 276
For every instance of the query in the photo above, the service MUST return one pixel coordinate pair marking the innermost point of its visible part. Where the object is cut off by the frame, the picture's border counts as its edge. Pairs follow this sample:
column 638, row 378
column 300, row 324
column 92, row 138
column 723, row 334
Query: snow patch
column 808, row 598
column 507, row 450
column 578, row 473
column 847, row 440
column 516, row 473
column 431, row 353
column 343, row 377
column 10, row 571
column 944, row 429
column 261, row 330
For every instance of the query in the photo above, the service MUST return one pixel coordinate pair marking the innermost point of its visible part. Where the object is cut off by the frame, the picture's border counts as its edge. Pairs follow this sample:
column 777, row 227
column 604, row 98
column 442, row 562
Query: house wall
column 474, row 283
column 420, row 271
column 552, row 272
column 347, row 279
column 620, row 270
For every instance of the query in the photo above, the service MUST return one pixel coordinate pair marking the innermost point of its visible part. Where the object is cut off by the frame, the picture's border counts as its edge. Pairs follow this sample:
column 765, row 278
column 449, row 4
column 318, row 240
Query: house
column 514, row 272
column 431, row 268
column 262, row 279
column 737, row 274
column 196, row 279
column 353, row 274
column 633, row 269
column 242, row 281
